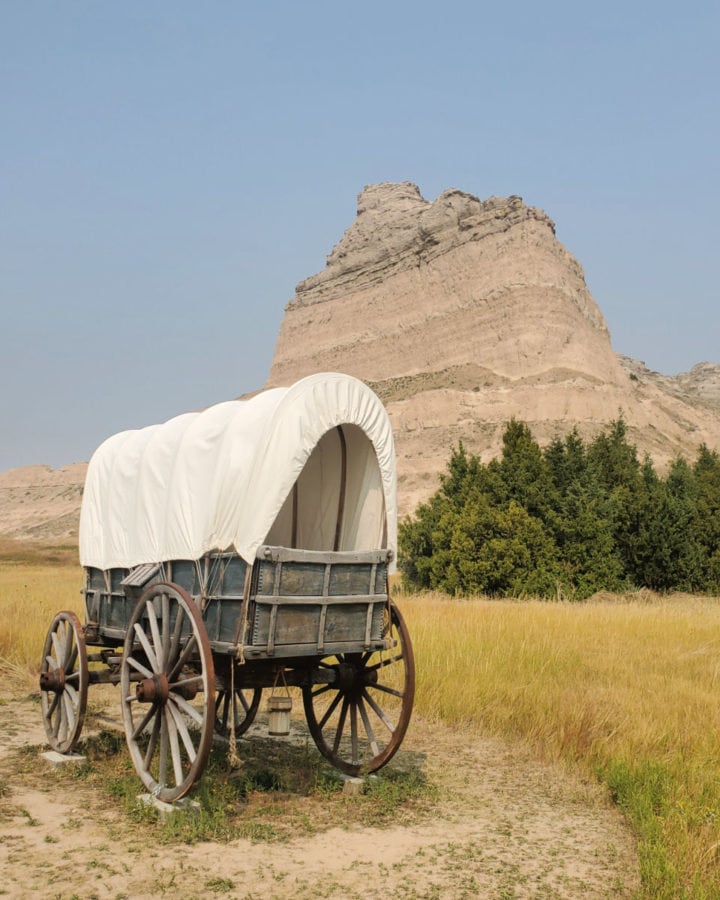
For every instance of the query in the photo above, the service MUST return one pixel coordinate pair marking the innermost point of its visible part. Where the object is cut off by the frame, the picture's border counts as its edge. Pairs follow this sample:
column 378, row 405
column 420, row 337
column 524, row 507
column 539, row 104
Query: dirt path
column 503, row 826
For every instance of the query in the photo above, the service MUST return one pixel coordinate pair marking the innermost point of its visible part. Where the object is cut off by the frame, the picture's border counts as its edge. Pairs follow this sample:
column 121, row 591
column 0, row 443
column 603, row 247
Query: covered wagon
column 226, row 551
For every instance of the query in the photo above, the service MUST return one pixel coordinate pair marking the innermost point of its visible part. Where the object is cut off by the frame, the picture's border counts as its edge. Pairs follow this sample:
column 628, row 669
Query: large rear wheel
column 359, row 706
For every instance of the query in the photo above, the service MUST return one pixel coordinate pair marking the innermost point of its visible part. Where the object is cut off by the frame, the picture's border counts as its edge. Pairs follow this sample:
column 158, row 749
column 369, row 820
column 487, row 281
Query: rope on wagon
column 233, row 757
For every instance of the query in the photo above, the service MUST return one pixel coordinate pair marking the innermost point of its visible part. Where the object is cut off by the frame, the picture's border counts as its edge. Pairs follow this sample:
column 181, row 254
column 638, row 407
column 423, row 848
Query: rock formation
column 462, row 313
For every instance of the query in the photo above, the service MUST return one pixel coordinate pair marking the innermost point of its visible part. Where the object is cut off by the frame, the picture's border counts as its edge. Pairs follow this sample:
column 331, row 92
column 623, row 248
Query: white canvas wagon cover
column 310, row 466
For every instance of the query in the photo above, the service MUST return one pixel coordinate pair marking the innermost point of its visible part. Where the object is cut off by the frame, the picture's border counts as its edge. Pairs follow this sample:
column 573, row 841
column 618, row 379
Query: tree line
column 566, row 521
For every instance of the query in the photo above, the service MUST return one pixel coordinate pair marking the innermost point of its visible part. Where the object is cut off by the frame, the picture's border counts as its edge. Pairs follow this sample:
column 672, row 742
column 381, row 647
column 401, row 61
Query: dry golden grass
column 625, row 689
column 30, row 596
column 576, row 678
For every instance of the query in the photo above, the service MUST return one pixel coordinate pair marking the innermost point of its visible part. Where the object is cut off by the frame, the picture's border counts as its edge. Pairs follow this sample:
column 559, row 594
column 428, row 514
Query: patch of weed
column 643, row 790
column 219, row 885
column 391, row 792
column 31, row 820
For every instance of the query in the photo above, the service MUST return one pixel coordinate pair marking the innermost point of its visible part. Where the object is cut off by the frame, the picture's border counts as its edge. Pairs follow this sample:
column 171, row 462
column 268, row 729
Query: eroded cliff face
column 462, row 313
column 416, row 287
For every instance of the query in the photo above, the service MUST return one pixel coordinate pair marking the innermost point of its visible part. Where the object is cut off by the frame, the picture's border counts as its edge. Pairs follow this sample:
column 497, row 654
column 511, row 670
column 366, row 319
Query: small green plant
column 219, row 885
column 388, row 792
column 31, row 820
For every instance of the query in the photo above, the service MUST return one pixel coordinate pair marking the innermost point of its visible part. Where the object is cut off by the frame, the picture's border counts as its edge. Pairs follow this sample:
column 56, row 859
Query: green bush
column 566, row 521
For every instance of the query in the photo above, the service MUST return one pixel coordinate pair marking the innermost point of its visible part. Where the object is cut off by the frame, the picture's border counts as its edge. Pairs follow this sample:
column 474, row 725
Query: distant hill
column 460, row 313
column 38, row 503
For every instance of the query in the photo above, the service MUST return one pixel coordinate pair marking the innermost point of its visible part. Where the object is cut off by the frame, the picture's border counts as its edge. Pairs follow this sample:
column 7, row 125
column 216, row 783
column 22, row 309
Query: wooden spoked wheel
column 359, row 716
column 167, row 680
column 64, row 682
column 243, row 706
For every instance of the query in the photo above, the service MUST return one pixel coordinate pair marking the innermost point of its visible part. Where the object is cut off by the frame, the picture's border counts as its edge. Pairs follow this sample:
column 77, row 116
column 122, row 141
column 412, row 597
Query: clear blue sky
column 170, row 170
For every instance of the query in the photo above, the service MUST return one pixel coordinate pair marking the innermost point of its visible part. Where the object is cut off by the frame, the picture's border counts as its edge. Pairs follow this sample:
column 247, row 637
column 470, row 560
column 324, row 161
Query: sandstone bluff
column 460, row 313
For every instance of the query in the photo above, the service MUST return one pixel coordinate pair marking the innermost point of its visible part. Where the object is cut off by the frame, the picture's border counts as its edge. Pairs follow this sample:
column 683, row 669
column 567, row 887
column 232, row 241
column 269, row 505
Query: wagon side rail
column 316, row 603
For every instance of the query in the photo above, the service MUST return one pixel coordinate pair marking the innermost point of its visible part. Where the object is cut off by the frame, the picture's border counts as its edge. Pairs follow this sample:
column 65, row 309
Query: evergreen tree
column 670, row 557
column 570, row 520
column 524, row 473
column 495, row 550
column 707, row 521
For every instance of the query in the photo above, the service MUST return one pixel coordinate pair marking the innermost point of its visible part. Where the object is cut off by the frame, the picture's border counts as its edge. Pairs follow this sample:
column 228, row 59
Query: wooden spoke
column 190, row 648
column 357, row 721
column 183, row 732
column 331, row 709
column 387, row 661
column 169, row 721
column 144, row 722
column 64, row 682
column 145, row 644
column 163, row 758
column 387, row 690
column 322, row 690
column 340, row 725
column 379, row 713
column 70, row 664
column 196, row 679
column 354, row 734
column 152, row 743
column 174, row 745
column 71, row 694
column 139, row 667
column 191, row 711
column 165, row 616
column 57, row 649
column 155, row 632
column 368, row 728
column 53, row 705
column 177, row 632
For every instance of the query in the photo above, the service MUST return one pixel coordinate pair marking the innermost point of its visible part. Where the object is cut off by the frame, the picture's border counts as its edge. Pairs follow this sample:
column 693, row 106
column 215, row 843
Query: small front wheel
column 167, row 679
column 64, row 682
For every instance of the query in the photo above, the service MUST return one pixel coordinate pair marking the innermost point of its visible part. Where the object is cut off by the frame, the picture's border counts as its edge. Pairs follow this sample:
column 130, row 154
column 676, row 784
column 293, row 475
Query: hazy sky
column 170, row 170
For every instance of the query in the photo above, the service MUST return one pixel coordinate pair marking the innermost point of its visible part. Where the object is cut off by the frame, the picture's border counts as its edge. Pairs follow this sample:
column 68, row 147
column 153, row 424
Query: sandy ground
column 504, row 826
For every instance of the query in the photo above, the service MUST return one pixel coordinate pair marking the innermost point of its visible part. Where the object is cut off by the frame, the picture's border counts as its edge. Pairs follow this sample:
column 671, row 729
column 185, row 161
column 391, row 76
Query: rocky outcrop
column 699, row 386
column 462, row 313
column 415, row 287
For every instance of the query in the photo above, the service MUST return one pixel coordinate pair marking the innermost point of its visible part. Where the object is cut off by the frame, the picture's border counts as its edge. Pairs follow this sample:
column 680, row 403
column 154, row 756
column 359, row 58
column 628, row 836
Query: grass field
column 30, row 595
column 624, row 689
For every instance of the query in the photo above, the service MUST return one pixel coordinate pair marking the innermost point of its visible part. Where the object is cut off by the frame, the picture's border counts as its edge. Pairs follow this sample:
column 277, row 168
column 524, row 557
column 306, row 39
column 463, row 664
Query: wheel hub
column 351, row 678
column 53, row 680
column 346, row 678
column 152, row 690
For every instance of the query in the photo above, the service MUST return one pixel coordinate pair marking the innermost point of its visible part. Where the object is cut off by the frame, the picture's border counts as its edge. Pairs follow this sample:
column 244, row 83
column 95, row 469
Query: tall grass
column 625, row 690
column 30, row 595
